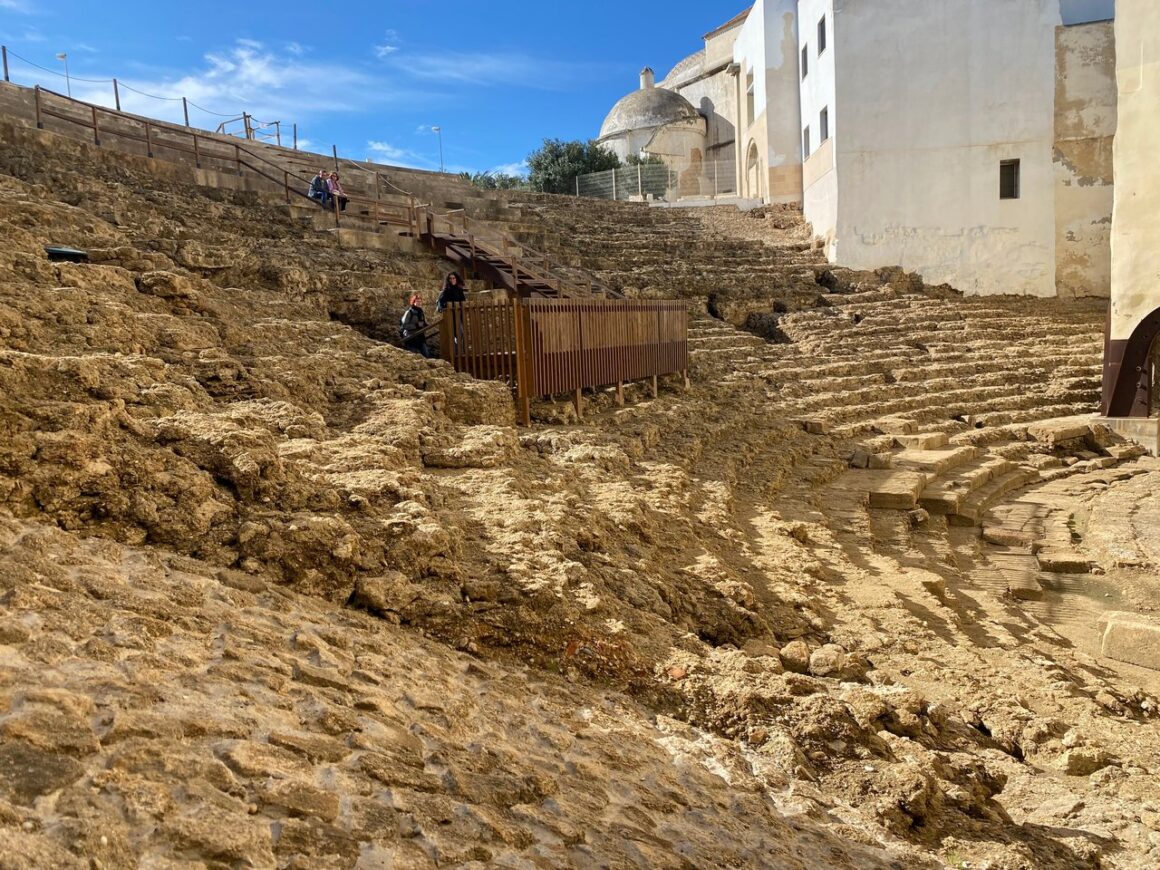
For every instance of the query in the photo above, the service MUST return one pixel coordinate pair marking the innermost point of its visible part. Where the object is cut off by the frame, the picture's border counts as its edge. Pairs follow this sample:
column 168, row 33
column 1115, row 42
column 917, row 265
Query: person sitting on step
column 335, row 190
column 412, row 325
column 319, row 191
column 452, row 292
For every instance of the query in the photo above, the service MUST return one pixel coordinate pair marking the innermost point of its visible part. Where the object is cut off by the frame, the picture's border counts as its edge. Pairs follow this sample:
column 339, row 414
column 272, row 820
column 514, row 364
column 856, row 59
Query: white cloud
column 16, row 5
column 385, row 152
column 269, row 84
column 388, row 46
column 520, row 168
column 296, row 49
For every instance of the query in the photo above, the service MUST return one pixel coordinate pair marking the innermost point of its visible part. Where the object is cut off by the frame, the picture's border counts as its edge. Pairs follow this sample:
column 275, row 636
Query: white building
column 967, row 140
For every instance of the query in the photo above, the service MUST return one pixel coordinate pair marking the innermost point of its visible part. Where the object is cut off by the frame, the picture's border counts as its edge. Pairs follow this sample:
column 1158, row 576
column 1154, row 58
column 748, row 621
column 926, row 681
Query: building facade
column 967, row 140
column 1134, row 317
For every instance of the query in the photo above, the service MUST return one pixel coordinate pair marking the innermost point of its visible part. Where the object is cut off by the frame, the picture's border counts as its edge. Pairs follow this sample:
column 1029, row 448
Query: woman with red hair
column 412, row 326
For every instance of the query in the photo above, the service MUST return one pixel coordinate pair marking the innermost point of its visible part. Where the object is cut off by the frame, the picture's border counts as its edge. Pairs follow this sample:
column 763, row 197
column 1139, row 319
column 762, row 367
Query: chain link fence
column 655, row 181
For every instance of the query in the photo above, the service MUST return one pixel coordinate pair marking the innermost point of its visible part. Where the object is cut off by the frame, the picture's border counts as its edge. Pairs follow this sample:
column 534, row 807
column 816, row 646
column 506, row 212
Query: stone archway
column 752, row 172
column 1128, row 370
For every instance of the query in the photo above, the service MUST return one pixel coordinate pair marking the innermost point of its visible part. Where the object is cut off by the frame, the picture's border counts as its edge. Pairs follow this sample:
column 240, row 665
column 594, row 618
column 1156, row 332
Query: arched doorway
column 1128, row 366
column 752, row 173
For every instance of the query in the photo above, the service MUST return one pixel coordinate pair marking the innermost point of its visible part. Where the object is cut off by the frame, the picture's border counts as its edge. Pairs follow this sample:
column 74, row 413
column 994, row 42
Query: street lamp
column 68, row 84
column 439, row 130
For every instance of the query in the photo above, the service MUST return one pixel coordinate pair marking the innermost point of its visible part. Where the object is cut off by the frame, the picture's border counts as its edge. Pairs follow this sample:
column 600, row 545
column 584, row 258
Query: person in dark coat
column 452, row 292
column 412, row 325
column 319, row 190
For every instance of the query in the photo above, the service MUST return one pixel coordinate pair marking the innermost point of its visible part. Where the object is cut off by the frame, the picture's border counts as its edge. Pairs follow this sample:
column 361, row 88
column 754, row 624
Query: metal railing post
column 577, row 185
column 639, row 186
column 295, row 135
column 39, row 121
column 116, row 95
column 148, row 141
column 246, row 125
column 4, row 51
column 334, row 148
column 185, row 108
column 278, row 133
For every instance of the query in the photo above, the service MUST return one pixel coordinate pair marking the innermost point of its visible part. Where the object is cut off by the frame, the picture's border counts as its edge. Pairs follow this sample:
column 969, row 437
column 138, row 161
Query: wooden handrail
column 418, row 218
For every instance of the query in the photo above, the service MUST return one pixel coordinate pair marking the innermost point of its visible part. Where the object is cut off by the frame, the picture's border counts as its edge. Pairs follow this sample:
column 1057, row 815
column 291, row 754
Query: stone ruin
column 275, row 593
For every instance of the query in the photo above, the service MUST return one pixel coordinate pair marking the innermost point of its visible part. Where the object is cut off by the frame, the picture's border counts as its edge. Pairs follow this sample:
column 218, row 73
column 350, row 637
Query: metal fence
column 544, row 347
column 654, row 181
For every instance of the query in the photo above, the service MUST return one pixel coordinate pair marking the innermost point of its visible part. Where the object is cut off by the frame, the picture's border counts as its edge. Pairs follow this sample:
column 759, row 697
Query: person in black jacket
column 452, row 292
column 412, row 325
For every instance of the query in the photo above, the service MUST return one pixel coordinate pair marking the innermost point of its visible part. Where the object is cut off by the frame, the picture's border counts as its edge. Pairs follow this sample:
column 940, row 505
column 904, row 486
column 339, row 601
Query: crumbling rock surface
column 276, row 593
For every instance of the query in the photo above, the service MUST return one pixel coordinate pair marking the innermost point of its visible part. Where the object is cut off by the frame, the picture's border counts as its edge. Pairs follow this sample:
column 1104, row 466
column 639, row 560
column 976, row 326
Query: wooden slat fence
column 545, row 347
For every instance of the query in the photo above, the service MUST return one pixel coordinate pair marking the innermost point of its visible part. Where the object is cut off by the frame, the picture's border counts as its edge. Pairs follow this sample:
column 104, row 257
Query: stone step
column 946, row 495
column 889, row 488
column 934, row 461
column 972, row 508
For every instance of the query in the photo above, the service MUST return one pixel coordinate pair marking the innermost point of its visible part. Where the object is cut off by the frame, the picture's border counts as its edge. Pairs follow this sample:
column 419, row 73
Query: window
column 805, row 61
column 822, row 35
column 1008, row 179
column 824, row 125
column 749, row 101
column 806, row 142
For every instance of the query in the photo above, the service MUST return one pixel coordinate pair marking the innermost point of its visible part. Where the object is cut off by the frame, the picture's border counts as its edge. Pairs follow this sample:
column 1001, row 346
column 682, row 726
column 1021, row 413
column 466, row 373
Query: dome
column 646, row 108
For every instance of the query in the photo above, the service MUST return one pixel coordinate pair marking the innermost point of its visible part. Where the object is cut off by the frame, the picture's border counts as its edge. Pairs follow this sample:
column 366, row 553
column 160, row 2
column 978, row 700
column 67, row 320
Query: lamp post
column 439, row 131
column 67, row 83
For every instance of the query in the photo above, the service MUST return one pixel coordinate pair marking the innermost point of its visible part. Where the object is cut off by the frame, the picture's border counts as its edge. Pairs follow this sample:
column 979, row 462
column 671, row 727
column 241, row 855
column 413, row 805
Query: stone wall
column 1085, row 126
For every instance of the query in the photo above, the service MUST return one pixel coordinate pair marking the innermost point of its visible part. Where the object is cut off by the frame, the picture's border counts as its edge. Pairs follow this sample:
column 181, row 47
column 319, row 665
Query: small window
column 824, row 124
column 806, row 142
column 1008, row 179
column 822, row 35
column 805, row 61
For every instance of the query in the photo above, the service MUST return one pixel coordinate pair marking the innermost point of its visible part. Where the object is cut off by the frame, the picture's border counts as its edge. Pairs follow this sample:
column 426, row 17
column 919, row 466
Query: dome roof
column 648, row 107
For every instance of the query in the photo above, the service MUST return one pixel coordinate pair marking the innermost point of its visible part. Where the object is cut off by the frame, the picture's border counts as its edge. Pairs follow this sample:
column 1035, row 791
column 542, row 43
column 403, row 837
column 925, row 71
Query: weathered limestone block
column 898, row 490
column 28, row 772
column 1063, row 562
column 1130, row 637
column 300, row 798
column 922, row 440
column 1052, row 432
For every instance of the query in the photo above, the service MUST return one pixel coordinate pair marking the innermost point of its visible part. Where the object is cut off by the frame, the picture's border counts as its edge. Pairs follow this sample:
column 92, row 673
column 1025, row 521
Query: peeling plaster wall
column 1136, row 220
column 767, row 47
column 1085, row 127
column 931, row 96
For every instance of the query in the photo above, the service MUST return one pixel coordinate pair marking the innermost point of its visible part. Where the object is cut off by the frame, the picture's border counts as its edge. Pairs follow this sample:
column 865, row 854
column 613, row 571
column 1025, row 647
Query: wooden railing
column 545, row 347
column 395, row 207
column 527, row 265
column 209, row 151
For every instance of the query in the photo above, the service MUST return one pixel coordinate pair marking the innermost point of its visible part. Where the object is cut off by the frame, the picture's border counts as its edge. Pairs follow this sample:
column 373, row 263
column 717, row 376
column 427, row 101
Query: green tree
column 554, row 166
column 498, row 181
column 647, row 160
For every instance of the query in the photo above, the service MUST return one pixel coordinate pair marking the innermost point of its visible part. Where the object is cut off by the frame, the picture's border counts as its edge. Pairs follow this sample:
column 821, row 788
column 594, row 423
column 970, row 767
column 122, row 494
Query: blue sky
column 372, row 78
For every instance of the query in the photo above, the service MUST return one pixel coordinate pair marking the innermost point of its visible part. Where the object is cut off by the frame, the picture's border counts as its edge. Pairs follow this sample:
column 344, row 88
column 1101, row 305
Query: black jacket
column 450, row 293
